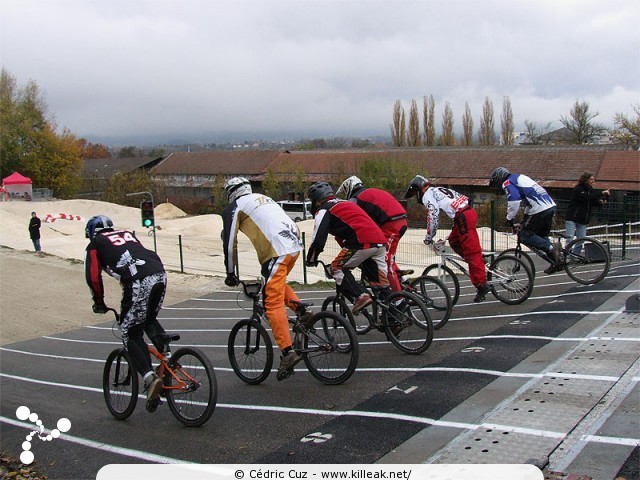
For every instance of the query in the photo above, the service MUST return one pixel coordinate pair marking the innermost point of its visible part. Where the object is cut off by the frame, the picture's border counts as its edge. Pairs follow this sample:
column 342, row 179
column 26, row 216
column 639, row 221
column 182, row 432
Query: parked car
column 297, row 210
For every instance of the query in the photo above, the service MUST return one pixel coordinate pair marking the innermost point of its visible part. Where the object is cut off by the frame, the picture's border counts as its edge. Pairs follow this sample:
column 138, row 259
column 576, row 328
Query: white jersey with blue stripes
column 521, row 189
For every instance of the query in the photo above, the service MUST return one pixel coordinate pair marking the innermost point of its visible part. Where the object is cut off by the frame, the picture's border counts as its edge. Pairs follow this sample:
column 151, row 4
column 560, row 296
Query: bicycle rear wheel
column 525, row 257
column 191, row 388
column 250, row 351
column 510, row 279
column 120, row 384
column 436, row 298
column 409, row 325
column 446, row 276
column 359, row 322
column 330, row 348
column 587, row 261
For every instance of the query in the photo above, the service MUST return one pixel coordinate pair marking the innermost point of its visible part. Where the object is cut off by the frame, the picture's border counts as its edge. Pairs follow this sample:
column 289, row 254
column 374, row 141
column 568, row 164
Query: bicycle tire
column 120, row 384
column 360, row 322
column 510, row 279
column 524, row 256
column 586, row 261
column 250, row 351
column 436, row 298
column 330, row 348
column 194, row 404
column 446, row 276
column 408, row 323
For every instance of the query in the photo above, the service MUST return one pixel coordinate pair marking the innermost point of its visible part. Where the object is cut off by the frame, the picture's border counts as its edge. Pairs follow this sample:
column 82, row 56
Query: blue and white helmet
column 96, row 225
column 236, row 187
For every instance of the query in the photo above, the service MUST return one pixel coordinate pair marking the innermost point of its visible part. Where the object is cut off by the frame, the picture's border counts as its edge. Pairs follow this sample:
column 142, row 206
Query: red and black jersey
column 381, row 206
column 348, row 223
column 122, row 256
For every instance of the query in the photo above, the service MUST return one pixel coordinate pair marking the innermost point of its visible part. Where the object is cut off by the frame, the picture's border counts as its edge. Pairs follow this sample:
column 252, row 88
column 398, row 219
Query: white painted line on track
column 105, row 447
column 335, row 413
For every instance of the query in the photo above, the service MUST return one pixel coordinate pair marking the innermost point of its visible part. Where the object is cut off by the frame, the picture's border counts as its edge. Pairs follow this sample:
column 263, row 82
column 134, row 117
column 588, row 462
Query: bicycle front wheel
column 586, row 261
column 510, row 279
column 408, row 323
column 330, row 350
column 436, row 298
column 120, row 384
column 525, row 257
column 446, row 276
column 190, row 387
column 250, row 351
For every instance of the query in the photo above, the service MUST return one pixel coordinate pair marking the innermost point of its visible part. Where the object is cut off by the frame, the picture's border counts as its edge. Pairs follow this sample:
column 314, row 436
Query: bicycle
column 189, row 382
column 326, row 342
column 586, row 260
column 509, row 278
column 433, row 293
column 401, row 316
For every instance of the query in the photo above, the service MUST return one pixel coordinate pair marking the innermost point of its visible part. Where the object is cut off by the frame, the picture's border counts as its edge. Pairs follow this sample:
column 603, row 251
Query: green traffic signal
column 146, row 211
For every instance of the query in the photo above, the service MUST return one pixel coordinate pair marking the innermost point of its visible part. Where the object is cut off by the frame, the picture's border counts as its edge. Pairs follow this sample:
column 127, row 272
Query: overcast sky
column 317, row 68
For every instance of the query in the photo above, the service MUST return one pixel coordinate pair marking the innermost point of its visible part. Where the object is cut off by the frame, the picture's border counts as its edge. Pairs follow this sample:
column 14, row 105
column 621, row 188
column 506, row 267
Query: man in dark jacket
column 584, row 198
column 34, row 231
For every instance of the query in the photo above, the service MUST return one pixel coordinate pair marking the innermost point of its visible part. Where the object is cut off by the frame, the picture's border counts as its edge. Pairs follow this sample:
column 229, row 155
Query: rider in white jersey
column 276, row 239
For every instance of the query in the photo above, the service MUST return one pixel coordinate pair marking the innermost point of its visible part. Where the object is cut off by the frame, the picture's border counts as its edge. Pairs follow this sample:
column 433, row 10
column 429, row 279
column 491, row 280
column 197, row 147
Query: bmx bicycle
column 326, row 342
column 189, row 382
column 509, row 277
column 402, row 316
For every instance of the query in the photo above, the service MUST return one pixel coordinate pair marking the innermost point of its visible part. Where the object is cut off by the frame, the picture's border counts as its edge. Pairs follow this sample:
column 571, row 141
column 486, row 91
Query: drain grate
column 535, row 421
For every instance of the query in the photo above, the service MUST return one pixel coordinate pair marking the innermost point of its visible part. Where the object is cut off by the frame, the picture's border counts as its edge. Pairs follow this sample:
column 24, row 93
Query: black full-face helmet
column 317, row 193
column 96, row 225
column 498, row 177
column 417, row 187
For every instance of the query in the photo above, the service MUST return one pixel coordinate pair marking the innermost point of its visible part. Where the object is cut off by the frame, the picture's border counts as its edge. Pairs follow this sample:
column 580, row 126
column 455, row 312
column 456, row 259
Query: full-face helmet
column 350, row 186
column 498, row 177
column 317, row 193
column 417, row 187
column 96, row 225
column 236, row 187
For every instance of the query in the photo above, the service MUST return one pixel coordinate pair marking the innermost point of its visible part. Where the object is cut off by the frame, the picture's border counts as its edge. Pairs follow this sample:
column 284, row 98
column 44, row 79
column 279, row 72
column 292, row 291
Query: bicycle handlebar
column 326, row 268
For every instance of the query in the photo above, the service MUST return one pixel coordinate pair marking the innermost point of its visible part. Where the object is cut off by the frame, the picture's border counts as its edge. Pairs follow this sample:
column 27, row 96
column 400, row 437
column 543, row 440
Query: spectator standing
column 584, row 198
column 34, row 231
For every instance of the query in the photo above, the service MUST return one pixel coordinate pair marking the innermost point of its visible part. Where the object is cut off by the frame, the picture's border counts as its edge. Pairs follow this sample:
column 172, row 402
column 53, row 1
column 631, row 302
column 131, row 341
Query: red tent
column 17, row 186
column 16, row 179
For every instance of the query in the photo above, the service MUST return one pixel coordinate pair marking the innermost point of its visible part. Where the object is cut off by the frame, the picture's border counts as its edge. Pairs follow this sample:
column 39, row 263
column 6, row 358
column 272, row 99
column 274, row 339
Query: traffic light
column 146, row 210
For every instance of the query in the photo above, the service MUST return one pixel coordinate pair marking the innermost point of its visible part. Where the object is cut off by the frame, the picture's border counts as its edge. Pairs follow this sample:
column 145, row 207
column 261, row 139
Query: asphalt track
column 552, row 381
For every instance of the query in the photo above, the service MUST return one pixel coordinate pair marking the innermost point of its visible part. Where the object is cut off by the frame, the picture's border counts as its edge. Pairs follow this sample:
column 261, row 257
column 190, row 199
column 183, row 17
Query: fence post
column 180, row 250
column 304, row 259
column 624, row 226
column 492, row 224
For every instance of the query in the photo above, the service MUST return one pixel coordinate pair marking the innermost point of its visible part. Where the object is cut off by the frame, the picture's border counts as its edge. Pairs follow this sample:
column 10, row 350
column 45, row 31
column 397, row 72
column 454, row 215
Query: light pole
column 155, row 247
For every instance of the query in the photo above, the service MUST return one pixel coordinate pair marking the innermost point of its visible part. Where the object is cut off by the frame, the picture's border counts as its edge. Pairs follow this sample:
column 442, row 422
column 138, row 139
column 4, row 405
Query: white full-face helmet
column 236, row 187
column 350, row 186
